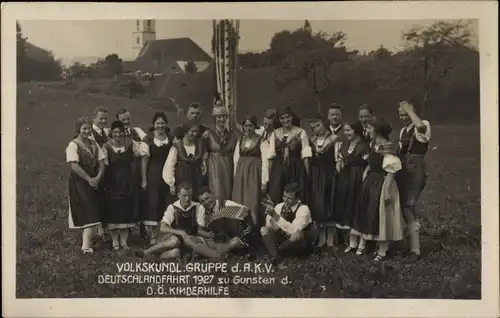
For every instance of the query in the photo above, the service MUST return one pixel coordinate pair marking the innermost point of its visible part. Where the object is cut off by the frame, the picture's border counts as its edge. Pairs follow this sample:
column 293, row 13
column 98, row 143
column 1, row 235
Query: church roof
column 168, row 51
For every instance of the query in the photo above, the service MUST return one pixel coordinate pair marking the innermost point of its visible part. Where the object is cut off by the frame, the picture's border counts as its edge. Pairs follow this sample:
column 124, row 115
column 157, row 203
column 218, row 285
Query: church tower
column 145, row 30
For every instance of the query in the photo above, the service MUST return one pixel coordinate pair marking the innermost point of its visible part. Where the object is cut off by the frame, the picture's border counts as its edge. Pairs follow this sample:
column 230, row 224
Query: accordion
column 232, row 221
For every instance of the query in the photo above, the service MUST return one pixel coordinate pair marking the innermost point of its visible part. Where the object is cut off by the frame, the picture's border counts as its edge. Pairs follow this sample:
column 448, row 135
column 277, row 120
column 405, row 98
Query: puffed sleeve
column 168, row 216
column 265, row 163
column 271, row 146
column 391, row 163
column 140, row 149
column 425, row 136
column 306, row 147
column 169, row 167
column 140, row 133
column 145, row 149
column 72, row 153
column 101, row 154
column 236, row 156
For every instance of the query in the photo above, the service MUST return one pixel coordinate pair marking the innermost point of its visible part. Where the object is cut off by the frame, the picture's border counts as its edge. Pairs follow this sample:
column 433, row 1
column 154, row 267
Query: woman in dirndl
column 186, row 161
column 378, row 213
column 220, row 142
column 290, row 152
column 156, row 197
column 251, row 172
column 120, row 184
column 322, row 179
column 351, row 164
column 86, row 159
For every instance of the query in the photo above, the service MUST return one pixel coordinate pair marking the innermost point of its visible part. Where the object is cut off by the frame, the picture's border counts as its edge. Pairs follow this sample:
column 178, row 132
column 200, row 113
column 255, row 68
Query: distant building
column 165, row 56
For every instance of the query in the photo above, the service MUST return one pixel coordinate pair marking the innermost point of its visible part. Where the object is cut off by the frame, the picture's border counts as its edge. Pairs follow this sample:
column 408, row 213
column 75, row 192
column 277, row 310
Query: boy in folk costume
column 135, row 133
column 211, row 206
column 288, row 225
column 414, row 141
column 183, row 226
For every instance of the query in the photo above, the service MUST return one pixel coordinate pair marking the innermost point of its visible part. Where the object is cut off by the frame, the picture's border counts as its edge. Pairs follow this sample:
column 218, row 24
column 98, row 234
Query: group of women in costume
column 356, row 182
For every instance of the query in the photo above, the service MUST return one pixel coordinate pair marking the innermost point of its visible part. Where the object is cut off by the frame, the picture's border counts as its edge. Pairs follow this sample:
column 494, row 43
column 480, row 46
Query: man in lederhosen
column 289, row 227
column 414, row 141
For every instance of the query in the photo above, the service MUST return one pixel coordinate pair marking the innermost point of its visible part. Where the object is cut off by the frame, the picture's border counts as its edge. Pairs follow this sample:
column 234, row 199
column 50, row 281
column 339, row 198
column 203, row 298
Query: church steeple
column 145, row 30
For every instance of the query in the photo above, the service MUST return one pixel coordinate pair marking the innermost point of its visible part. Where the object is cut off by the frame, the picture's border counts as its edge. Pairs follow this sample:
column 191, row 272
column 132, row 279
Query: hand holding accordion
column 231, row 221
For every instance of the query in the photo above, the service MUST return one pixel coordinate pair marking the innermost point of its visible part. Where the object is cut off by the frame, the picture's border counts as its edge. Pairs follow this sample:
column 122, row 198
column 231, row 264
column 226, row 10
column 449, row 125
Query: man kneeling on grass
column 289, row 228
column 182, row 226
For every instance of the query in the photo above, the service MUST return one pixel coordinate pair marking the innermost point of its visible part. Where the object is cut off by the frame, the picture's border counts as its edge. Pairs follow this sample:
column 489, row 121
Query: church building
column 164, row 56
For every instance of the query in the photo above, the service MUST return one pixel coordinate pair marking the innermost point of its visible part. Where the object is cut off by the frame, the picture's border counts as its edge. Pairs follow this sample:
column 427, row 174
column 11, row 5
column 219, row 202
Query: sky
column 98, row 38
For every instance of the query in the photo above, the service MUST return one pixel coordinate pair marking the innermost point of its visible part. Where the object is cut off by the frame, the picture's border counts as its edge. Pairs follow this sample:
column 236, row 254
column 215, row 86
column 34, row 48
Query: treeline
column 438, row 62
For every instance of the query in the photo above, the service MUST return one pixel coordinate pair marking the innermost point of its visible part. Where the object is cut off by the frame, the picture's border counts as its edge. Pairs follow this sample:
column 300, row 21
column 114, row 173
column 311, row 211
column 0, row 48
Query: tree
column 21, row 53
column 430, row 54
column 190, row 67
column 305, row 56
column 381, row 53
column 114, row 64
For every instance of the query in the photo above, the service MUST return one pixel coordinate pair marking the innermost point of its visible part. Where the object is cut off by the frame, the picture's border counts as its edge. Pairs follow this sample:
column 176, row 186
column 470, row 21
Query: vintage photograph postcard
column 298, row 159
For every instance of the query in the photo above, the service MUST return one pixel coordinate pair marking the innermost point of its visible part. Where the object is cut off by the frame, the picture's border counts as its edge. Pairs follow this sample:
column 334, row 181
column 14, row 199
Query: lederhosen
column 411, row 179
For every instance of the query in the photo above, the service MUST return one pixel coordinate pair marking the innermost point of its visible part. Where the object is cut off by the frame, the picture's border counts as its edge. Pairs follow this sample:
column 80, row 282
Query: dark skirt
column 83, row 203
column 282, row 174
column 349, row 185
column 367, row 212
column 321, row 192
column 156, row 197
column 189, row 172
column 121, row 197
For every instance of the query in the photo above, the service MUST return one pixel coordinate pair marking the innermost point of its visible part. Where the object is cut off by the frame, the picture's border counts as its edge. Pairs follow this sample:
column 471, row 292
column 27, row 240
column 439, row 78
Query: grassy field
column 50, row 264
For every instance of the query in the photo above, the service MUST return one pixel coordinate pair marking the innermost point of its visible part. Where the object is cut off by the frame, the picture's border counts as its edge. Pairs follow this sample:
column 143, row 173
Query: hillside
column 257, row 91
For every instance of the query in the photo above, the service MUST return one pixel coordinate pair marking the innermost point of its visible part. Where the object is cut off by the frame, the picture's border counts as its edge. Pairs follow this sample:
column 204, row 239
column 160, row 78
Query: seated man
column 288, row 225
column 183, row 226
column 211, row 206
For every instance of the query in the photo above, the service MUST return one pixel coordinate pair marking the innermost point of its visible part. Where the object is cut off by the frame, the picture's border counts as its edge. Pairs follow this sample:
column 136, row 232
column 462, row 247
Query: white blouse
column 139, row 149
column 297, row 131
column 169, row 167
column 157, row 142
column 263, row 156
column 72, row 152
column 391, row 163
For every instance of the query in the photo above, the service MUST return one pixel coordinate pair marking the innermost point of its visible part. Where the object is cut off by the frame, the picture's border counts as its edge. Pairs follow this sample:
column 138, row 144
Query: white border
column 487, row 12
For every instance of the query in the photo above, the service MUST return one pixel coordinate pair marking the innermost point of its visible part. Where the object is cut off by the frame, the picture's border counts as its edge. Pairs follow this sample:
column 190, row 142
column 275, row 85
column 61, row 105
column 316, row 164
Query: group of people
column 347, row 183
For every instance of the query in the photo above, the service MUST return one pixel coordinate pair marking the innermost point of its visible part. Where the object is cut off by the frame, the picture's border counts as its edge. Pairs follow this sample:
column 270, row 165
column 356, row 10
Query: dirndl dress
column 374, row 218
